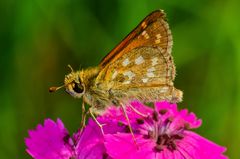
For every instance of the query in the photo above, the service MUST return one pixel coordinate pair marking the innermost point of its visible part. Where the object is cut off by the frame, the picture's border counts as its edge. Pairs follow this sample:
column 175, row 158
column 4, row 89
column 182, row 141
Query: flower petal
column 49, row 141
column 190, row 118
column 115, row 113
column 90, row 143
column 122, row 145
column 164, row 105
column 200, row 147
column 181, row 118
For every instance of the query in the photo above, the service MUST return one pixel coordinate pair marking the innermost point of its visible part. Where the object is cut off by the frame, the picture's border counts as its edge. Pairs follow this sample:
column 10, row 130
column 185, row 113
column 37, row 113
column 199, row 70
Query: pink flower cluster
column 164, row 133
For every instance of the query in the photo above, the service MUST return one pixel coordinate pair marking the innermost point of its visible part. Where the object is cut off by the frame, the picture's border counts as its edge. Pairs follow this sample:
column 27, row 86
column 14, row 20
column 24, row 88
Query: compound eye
column 77, row 87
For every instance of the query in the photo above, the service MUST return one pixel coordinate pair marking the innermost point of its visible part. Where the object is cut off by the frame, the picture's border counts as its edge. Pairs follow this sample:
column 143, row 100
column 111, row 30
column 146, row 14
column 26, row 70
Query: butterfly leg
column 128, row 122
column 138, row 112
column 95, row 119
column 84, row 114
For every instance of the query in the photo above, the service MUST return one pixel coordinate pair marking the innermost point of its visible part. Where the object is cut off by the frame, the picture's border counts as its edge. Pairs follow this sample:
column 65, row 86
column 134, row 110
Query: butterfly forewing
column 142, row 60
column 152, row 31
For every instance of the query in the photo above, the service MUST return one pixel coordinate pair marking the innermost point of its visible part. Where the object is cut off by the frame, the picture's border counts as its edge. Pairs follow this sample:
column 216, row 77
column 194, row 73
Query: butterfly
column 140, row 68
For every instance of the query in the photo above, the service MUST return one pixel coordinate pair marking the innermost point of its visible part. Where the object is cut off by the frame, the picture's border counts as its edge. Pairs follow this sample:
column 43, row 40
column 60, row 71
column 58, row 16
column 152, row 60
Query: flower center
column 157, row 128
column 167, row 141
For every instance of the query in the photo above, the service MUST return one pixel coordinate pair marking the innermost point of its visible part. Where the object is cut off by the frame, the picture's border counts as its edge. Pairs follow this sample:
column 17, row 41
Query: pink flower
column 52, row 141
column 164, row 134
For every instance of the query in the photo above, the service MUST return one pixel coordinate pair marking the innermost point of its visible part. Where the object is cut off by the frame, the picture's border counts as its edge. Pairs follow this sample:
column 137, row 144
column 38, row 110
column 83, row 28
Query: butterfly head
column 73, row 84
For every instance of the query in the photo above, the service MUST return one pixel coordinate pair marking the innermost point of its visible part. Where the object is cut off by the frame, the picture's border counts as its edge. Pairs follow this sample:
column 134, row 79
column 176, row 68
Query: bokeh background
column 38, row 38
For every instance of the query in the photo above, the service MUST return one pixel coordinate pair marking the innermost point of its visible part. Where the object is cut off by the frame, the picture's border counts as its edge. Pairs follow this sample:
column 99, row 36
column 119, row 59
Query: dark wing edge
column 152, row 17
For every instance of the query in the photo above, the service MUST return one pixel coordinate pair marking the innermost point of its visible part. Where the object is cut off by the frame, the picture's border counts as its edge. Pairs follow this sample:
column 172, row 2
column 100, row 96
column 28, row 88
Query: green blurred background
column 40, row 37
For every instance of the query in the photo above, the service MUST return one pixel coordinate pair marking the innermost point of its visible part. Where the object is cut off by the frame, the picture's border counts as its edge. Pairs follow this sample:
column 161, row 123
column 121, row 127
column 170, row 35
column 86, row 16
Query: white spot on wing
column 145, row 80
column 154, row 61
column 114, row 74
column 150, row 74
column 157, row 41
column 144, row 25
column 130, row 74
column 151, row 69
column 158, row 36
column 139, row 60
column 164, row 89
column 125, row 62
column 145, row 34
column 126, row 82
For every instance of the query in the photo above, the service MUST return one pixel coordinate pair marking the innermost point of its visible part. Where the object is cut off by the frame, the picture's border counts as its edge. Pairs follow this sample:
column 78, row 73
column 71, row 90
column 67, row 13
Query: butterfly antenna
column 69, row 66
column 54, row 89
column 80, row 67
